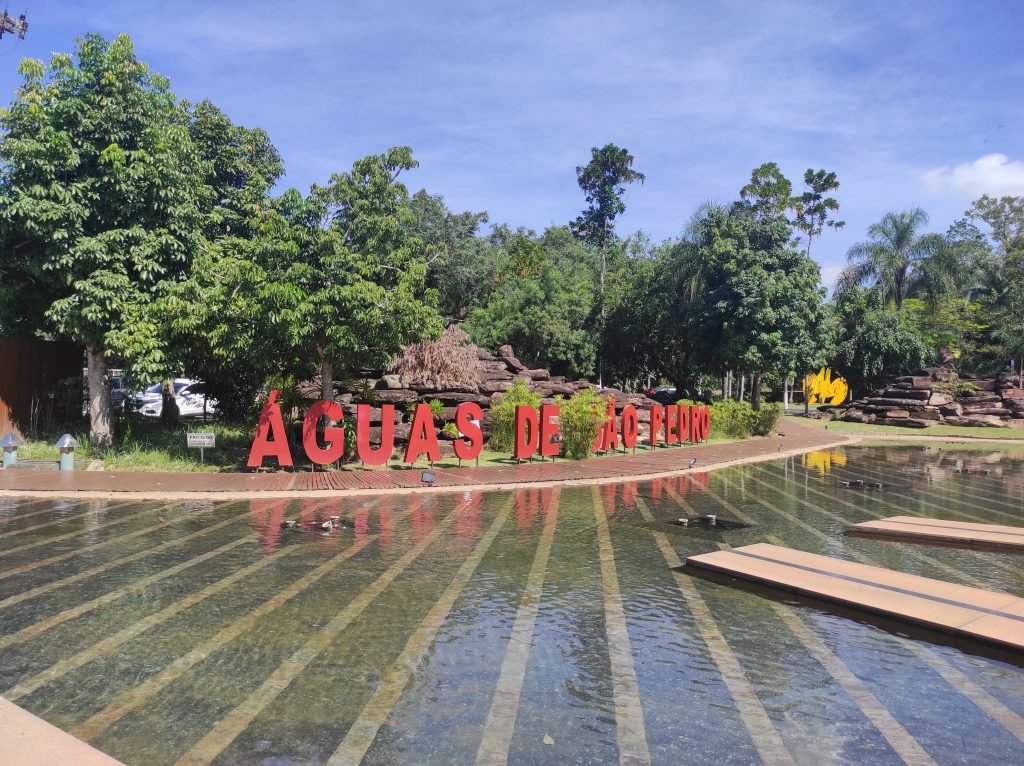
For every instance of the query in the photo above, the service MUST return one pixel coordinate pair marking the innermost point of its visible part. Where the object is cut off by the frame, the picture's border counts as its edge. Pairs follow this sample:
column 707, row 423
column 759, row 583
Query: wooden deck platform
column 959, row 533
column 981, row 615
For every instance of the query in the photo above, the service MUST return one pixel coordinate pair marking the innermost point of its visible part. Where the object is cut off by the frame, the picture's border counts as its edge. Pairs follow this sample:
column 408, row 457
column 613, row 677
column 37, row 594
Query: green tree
column 603, row 181
column 875, row 344
column 889, row 257
column 355, row 293
column 101, row 196
column 462, row 266
column 762, row 304
column 242, row 165
column 545, row 317
column 769, row 193
column 814, row 210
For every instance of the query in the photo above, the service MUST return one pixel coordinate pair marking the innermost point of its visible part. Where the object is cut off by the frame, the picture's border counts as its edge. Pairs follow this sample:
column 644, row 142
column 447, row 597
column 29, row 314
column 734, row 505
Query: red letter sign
column 699, row 423
column 671, row 422
column 630, row 426
column 270, row 422
column 422, row 436
column 380, row 455
column 334, row 436
column 656, row 419
column 683, row 425
column 549, row 428
column 465, row 415
column 527, row 433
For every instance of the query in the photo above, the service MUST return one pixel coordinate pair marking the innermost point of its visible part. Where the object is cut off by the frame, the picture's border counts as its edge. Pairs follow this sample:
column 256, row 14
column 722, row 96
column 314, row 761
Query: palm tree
column 946, row 267
column 889, row 256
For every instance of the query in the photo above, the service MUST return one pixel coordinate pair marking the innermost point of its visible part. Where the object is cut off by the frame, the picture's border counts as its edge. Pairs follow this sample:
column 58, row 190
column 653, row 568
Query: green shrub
column 766, row 419
column 581, row 417
column 436, row 408
column 956, row 388
column 731, row 419
column 451, row 430
column 503, row 415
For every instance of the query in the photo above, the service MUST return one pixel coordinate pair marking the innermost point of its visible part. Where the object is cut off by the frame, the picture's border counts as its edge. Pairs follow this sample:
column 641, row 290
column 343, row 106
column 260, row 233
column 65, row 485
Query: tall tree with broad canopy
column 102, row 195
column 762, row 307
column 541, row 304
column 461, row 265
column 218, row 321
column 355, row 292
column 875, row 344
column 603, row 181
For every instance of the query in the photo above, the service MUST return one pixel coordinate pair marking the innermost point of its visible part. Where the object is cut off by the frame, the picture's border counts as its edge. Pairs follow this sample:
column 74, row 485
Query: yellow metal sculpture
column 824, row 389
column 823, row 460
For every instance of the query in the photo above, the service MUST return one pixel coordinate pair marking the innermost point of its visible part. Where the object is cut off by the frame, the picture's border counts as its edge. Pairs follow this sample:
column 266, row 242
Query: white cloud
column 992, row 174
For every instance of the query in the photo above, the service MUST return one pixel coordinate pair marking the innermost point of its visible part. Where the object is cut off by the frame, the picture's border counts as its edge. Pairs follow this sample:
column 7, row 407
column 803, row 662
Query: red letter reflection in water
column 467, row 519
column 629, row 494
column 386, row 524
column 526, row 507
column 421, row 517
column 361, row 522
column 268, row 518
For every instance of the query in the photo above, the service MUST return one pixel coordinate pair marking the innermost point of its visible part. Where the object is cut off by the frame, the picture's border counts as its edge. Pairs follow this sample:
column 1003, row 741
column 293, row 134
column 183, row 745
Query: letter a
column 270, row 423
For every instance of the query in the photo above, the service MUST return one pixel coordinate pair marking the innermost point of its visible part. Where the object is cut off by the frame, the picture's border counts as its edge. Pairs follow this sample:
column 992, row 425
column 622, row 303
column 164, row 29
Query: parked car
column 190, row 396
column 663, row 394
column 140, row 399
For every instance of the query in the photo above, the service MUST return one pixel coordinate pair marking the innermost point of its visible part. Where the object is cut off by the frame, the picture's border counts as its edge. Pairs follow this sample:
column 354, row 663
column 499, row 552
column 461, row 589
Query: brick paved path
column 797, row 439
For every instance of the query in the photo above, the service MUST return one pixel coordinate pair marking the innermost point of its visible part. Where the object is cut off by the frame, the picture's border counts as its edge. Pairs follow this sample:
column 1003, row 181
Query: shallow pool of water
column 527, row 627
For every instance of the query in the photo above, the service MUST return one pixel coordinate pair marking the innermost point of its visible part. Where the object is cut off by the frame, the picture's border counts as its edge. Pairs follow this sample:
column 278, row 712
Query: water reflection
column 415, row 589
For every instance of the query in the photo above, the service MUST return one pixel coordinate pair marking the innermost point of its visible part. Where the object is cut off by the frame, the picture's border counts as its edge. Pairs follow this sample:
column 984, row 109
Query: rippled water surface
column 529, row 627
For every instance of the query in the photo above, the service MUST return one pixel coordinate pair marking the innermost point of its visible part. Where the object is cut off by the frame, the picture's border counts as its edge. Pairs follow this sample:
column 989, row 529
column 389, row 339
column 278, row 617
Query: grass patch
column 144, row 445
column 871, row 429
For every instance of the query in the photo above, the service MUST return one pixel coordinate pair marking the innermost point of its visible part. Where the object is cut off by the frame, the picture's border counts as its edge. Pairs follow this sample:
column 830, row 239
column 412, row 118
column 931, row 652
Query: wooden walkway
column 982, row 615
column 643, row 463
column 958, row 533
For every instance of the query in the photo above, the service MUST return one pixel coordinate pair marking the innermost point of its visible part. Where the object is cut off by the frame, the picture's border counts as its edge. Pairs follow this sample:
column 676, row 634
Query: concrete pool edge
column 28, row 740
column 112, row 491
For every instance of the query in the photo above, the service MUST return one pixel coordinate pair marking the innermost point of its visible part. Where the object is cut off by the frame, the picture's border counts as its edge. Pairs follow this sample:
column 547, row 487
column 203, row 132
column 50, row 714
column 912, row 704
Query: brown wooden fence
column 31, row 395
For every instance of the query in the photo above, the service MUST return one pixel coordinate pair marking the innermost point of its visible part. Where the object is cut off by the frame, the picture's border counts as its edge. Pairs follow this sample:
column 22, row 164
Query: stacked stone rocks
column 496, row 375
column 918, row 401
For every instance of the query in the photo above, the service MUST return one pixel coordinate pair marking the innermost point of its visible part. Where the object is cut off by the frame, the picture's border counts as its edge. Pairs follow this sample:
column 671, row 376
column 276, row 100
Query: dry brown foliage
column 451, row 360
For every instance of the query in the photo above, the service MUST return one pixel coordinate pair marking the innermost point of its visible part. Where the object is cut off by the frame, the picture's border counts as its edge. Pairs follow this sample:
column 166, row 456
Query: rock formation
column 936, row 396
column 496, row 374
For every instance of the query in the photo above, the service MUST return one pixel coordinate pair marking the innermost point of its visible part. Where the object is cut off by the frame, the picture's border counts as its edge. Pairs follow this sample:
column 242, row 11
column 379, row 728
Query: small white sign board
column 201, row 439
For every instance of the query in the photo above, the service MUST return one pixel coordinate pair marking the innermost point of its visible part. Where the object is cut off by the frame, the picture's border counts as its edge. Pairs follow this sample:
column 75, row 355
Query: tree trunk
column 101, row 420
column 326, row 381
column 755, row 391
column 169, row 412
column 785, row 393
column 725, row 383
column 743, row 385
column 807, row 399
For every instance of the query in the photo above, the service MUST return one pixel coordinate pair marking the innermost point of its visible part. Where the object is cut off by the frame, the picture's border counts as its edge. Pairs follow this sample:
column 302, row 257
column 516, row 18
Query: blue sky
column 911, row 103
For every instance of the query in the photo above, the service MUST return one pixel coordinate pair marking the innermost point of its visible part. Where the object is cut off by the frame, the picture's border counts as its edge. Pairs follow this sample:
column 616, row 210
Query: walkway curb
column 757, row 449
